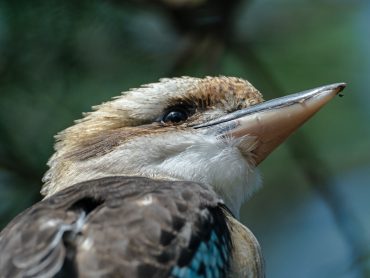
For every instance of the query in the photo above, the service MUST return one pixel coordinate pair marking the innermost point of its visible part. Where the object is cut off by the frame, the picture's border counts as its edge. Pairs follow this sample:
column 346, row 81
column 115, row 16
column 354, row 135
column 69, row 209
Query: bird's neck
column 175, row 156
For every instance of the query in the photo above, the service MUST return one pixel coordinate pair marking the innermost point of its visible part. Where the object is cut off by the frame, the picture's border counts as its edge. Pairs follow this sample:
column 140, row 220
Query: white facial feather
column 177, row 156
column 151, row 99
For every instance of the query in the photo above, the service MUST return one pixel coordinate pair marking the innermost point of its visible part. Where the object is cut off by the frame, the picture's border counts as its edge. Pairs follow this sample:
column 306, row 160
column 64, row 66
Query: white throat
column 171, row 155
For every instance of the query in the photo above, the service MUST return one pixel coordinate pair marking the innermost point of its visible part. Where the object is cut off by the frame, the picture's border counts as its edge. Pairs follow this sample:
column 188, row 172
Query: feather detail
column 120, row 226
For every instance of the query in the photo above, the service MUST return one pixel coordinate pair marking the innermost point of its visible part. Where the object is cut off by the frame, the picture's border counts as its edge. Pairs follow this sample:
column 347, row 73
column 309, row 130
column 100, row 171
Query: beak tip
column 330, row 91
column 341, row 86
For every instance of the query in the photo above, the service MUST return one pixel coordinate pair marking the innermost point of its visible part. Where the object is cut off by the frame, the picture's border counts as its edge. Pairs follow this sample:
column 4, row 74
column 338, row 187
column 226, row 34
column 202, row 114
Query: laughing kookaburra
column 150, row 184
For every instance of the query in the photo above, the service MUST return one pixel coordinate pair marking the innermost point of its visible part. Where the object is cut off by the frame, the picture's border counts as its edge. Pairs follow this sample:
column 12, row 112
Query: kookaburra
column 150, row 183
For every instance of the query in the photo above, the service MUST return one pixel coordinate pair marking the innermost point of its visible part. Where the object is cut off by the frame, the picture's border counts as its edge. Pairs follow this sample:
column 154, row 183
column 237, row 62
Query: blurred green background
column 58, row 58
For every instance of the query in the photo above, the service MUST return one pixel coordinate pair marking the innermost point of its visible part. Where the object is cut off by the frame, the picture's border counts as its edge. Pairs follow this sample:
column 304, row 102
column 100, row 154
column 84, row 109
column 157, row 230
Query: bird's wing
column 120, row 227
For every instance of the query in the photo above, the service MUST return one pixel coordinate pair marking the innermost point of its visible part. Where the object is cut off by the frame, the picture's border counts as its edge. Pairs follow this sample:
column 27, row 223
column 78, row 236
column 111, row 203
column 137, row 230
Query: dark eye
column 175, row 116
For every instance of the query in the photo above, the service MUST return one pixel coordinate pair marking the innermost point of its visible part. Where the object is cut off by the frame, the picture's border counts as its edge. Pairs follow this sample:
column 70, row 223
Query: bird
column 150, row 183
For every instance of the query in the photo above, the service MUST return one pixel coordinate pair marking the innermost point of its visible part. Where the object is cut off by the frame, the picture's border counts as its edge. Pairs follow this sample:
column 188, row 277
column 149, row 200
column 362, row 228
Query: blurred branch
column 251, row 60
column 208, row 50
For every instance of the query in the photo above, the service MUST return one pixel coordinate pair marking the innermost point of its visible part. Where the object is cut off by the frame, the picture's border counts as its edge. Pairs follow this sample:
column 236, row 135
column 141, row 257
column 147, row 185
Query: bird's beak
column 271, row 122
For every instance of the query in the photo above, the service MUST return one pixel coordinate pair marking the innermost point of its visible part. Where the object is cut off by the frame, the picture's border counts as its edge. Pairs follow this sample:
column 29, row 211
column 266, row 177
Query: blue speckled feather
column 211, row 258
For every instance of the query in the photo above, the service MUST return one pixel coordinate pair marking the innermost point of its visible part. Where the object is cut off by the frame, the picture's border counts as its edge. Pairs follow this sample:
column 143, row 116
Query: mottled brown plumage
column 106, row 227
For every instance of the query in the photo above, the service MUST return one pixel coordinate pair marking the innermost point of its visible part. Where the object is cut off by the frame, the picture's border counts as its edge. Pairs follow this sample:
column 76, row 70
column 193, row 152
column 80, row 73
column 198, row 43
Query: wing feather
column 119, row 227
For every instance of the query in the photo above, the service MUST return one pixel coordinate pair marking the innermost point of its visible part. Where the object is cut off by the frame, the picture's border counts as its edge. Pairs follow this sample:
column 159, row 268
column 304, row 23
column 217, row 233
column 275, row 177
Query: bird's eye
column 175, row 116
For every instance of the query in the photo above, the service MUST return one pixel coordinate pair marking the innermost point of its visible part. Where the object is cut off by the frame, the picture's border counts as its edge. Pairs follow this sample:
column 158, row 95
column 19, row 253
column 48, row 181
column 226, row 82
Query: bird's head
column 214, row 131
